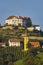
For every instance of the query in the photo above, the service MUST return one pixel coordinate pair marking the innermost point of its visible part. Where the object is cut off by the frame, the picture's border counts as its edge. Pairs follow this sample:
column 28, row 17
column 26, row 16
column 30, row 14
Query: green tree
column 37, row 61
column 0, row 24
column 29, row 22
column 32, row 59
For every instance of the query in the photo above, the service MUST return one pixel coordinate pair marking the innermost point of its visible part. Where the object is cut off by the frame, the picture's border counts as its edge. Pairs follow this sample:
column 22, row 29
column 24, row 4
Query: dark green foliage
column 29, row 23
column 41, row 43
column 32, row 59
column 10, row 63
column 11, row 54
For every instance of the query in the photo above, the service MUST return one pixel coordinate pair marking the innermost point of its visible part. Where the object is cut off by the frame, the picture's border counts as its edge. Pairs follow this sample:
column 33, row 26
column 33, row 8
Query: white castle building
column 23, row 21
column 16, row 20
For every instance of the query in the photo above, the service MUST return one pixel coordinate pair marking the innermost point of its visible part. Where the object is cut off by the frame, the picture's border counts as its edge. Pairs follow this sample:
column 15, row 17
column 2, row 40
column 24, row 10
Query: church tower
column 25, row 42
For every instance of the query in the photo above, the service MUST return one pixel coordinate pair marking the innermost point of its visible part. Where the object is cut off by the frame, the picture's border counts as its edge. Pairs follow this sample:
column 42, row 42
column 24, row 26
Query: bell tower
column 25, row 37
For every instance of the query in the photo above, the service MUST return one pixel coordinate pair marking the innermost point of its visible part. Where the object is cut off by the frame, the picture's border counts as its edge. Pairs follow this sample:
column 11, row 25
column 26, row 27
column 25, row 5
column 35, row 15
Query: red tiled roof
column 19, row 17
column 10, row 17
column 34, row 43
column 14, row 40
column 1, row 43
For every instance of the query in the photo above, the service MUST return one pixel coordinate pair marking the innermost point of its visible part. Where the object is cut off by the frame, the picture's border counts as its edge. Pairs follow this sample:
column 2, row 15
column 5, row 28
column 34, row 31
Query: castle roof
column 18, row 17
column 10, row 17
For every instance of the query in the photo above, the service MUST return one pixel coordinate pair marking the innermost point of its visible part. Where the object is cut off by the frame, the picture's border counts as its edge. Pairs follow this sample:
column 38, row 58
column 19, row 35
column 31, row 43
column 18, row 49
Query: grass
column 40, row 54
column 19, row 62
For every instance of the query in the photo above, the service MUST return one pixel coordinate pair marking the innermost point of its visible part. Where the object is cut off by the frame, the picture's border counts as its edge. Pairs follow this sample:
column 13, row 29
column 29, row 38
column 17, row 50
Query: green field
column 40, row 54
column 20, row 62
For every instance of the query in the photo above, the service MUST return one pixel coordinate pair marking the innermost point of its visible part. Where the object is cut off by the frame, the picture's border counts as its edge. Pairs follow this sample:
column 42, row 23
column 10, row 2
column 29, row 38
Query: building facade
column 14, row 42
column 37, row 27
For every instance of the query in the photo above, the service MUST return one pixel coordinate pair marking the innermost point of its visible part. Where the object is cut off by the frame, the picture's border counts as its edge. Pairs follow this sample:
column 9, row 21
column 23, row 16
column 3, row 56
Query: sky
column 29, row 8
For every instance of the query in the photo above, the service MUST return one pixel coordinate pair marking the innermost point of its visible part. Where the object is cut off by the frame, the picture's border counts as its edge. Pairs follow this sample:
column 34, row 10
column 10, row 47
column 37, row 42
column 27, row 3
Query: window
column 12, row 20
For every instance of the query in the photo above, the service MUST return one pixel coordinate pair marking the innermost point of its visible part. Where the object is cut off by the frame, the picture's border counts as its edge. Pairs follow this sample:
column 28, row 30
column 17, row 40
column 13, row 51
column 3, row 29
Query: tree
column 29, row 59
column 37, row 61
column 1, row 61
column 32, row 59
column 29, row 22
column 41, row 43
column 0, row 24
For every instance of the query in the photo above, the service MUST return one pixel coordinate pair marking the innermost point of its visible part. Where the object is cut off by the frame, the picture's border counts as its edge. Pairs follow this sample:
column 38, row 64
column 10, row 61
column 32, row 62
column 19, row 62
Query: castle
column 18, row 20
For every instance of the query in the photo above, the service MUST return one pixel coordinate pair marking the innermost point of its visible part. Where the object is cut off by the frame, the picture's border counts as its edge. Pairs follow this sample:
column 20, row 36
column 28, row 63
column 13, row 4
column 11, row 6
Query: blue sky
column 30, row 8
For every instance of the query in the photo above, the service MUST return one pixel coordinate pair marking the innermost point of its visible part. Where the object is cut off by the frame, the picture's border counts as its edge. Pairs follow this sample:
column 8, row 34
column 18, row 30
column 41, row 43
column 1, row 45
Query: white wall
column 37, row 28
column 14, row 43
